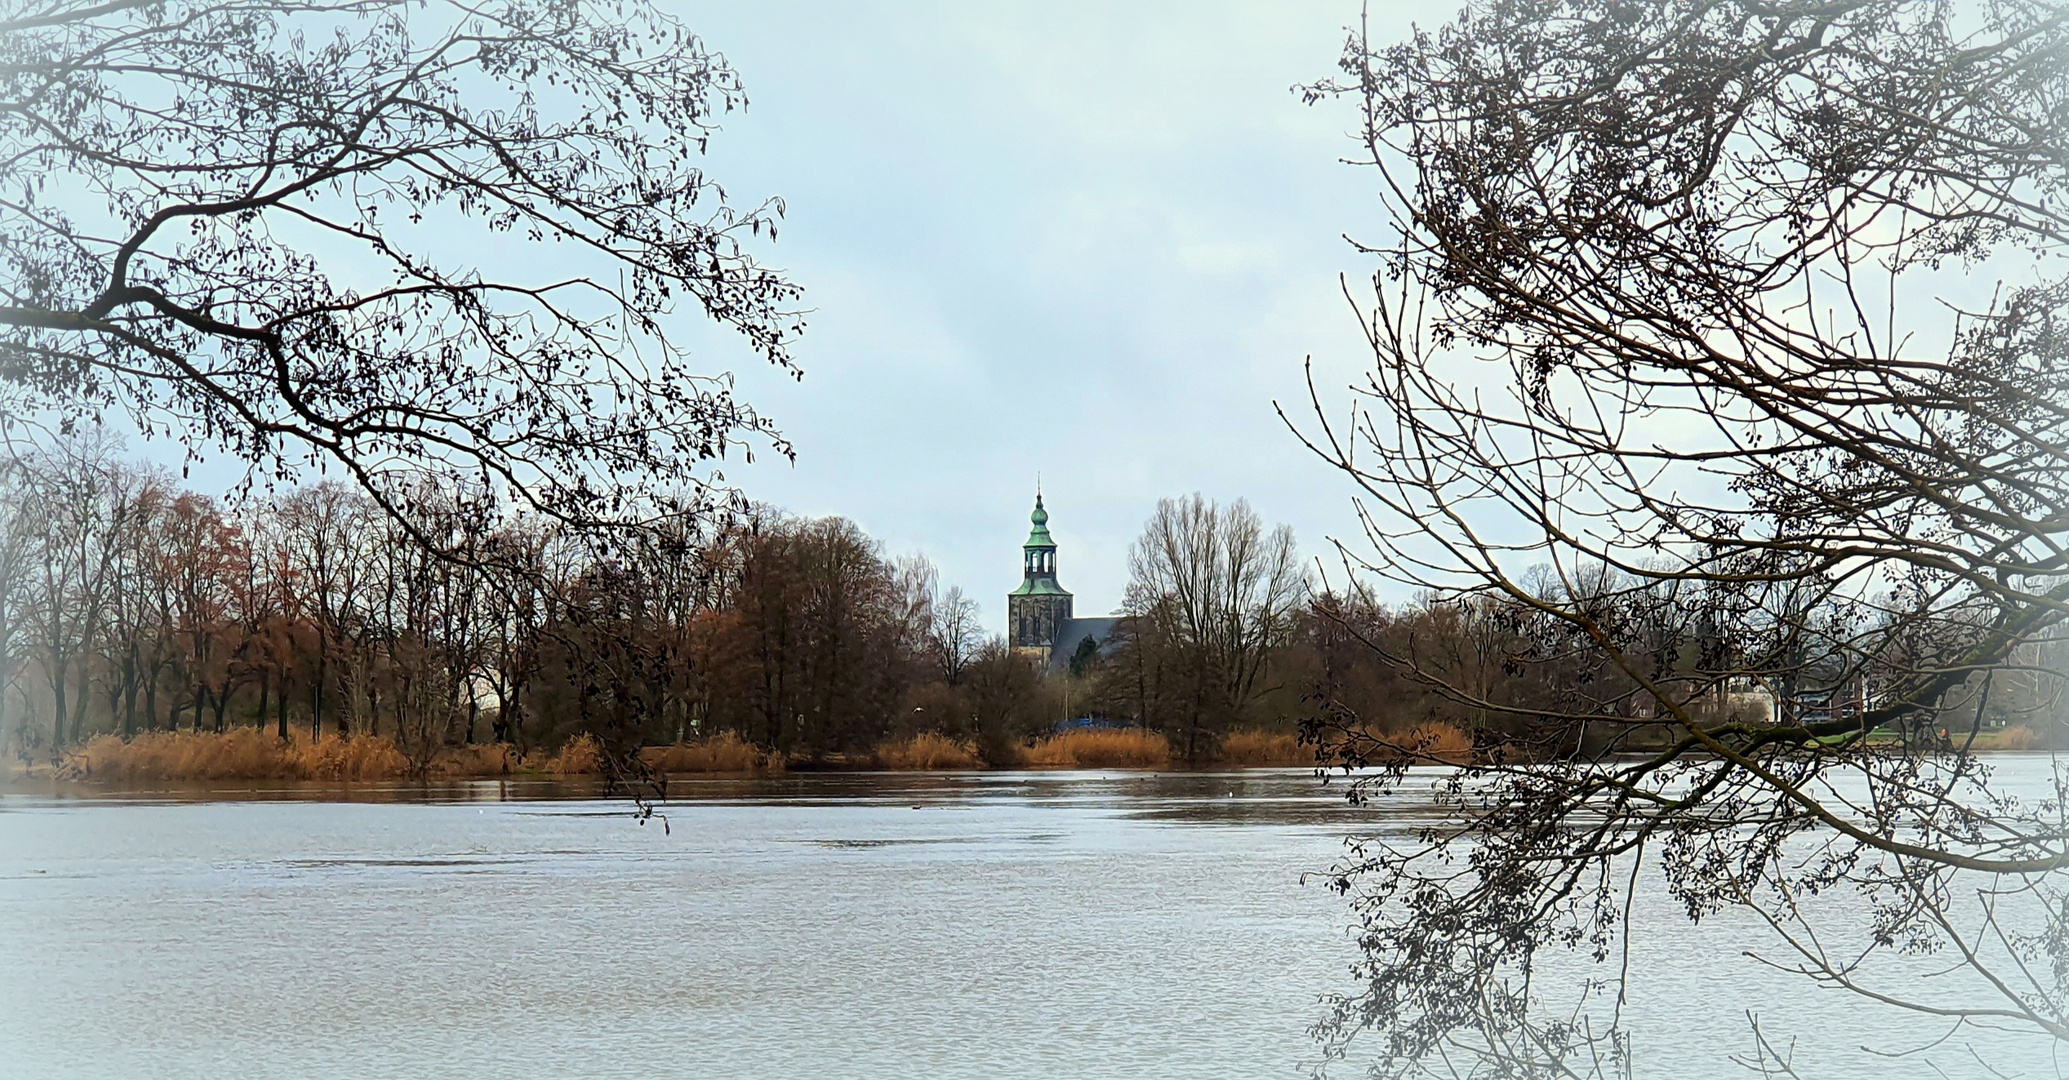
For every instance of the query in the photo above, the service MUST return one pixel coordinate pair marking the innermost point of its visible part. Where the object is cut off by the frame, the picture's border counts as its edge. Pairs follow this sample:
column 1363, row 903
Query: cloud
column 1089, row 241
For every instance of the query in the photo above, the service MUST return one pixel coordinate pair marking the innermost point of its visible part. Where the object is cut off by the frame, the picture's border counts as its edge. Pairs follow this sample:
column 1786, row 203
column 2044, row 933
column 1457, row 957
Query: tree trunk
column 499, row 728
column 316, row 697
column 57, row 721
column 122, row 697
column 129, row 712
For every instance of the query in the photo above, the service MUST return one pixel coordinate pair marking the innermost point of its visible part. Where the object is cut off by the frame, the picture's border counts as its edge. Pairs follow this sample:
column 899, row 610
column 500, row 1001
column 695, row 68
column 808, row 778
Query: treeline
column 129, row 604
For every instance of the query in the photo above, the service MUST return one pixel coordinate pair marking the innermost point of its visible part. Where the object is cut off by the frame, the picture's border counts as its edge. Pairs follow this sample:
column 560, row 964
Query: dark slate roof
column 1076, row 630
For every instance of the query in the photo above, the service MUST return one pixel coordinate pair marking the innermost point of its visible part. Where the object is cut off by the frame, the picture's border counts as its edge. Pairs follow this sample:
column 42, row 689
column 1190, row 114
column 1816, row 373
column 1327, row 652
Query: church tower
column 1037, row 610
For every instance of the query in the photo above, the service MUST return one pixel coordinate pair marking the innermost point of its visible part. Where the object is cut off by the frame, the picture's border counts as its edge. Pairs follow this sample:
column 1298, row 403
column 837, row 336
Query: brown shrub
column 579, row 756
column 926, row 751
column 1422, row 743
column 237, row 754
column 2011, row 738
column 723, row 752
column 356, row 758
column 471, row 760
column 1261, row 748
column 1101, row 748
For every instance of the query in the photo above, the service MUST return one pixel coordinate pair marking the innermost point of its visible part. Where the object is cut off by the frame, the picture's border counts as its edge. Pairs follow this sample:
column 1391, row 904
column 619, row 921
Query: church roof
column 1039, row 586
column 1072, row 631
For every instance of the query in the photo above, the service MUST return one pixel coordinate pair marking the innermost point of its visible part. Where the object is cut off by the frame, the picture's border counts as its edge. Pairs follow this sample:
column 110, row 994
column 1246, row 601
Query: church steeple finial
column 1040, row 536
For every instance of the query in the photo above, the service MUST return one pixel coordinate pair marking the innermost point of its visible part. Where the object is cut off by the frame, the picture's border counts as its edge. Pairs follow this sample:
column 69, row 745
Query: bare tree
column 206, row 555
column 1744, row 321
column 80, row 498
column 1211, row 597
column 17, row 536
column 516, row 611
column 954, row 634
column 325, row 532
column 294, row 230
column 1003, row 693
column 124, row 656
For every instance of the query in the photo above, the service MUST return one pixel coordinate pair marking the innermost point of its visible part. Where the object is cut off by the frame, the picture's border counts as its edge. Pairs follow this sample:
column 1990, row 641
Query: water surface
column 857, row 926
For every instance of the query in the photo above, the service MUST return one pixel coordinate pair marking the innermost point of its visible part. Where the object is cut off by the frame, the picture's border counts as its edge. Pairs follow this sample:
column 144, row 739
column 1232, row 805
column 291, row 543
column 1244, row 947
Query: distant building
column 1039, row 622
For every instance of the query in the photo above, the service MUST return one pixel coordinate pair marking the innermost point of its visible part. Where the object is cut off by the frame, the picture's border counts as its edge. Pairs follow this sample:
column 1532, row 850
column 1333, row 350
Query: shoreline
column 39, row 782
column 252, row 755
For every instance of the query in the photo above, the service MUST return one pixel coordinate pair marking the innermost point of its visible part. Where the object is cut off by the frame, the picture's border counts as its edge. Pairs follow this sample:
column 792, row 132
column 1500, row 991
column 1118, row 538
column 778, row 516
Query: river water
column 1028, row 925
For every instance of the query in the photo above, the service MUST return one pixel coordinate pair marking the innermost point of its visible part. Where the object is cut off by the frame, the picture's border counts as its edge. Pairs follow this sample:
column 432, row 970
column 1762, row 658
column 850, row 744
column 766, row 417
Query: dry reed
column 1424, row 744
column 579, row 756
column 2016, row 738
column 926, row 751
column 723, row 752
column 471, row 760
column 1101, row 748
column 250, row 753
column 1263, row 748
column 2019, row 737
column 237, row 754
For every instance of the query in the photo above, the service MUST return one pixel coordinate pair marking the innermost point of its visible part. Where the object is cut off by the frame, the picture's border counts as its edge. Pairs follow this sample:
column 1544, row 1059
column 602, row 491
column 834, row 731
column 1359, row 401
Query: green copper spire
column 1038, row 557
column 1039, row 537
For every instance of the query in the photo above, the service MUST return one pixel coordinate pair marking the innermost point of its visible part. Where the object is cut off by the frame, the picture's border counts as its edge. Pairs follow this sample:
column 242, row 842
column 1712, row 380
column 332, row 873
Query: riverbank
column 256, row 754
column 250, row 753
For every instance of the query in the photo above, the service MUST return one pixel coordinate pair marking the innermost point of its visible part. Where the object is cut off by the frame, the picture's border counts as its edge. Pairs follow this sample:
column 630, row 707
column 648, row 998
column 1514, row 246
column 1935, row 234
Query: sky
column 1089, row 245
column 1086, row 243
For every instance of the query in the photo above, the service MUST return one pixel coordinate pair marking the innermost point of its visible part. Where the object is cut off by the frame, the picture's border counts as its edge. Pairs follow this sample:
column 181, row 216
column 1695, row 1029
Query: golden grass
column 473, row 759
column 926, row 751
column 251, row 753
column 237, row 754
column 1100, row 748
column 723, row 752
column 336, row 758
column 2011, row 738
column 579, row 756
column 1263, row 748
column 1423, row 742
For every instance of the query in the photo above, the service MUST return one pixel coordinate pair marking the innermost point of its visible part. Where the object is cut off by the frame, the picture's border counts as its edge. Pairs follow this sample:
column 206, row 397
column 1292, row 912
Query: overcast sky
column 1092, row 242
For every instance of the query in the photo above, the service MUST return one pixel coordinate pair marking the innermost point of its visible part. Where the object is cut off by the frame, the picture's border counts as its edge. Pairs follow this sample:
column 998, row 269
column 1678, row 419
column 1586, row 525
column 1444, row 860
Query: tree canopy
column 1718, row 360
column 399, row 240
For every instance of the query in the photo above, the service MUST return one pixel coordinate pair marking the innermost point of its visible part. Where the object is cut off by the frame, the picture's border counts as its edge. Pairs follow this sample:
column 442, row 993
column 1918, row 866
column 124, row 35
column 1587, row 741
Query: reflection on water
column 1084, row 924
column 1256, row 796
column 829, row 925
